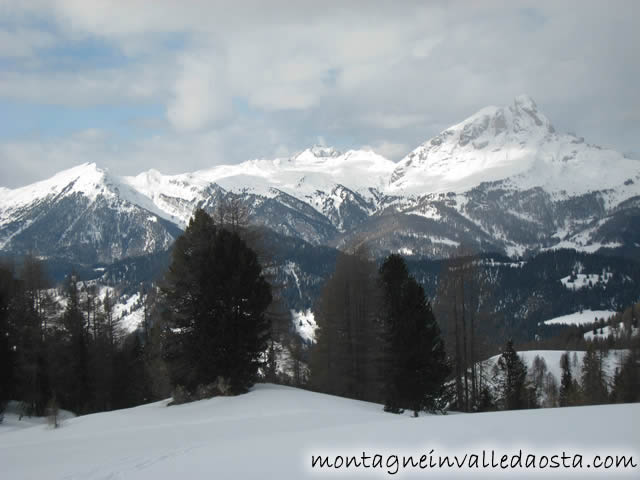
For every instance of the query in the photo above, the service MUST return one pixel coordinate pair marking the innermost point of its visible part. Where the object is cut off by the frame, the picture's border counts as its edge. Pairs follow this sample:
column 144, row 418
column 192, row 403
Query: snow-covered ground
column 580, row 318
column 14, row 420
column 273, row 431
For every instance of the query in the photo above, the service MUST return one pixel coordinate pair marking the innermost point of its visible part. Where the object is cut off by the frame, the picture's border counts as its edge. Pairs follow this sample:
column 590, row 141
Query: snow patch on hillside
column 582, row 280
column 130, row 312
column 583, row 317
column 602, row 333
column 305, row 325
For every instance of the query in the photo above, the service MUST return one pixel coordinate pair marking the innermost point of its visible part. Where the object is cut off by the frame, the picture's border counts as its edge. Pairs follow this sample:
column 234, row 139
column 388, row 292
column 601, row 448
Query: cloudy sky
column 184, row 85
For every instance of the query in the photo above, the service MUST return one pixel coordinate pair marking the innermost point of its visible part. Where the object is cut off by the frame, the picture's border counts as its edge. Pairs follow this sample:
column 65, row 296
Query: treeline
column 525, row 294
column 217, row 323
column 615, row 332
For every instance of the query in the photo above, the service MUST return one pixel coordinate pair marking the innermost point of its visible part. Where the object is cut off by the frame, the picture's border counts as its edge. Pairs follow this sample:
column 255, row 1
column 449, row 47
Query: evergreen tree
column 487, row 403
column 296, row 365
column 569, row 390
column 129, row 372
column 157, row 381
column 217, row 296
column 7, row 337
column 626, row 387
column 73, row 376
column 32, row 305
column 415, row 366
column 594, row 387
column 513, row 374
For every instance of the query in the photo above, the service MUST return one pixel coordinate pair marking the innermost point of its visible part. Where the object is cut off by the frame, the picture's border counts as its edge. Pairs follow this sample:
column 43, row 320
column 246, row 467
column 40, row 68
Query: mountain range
column 503, row 181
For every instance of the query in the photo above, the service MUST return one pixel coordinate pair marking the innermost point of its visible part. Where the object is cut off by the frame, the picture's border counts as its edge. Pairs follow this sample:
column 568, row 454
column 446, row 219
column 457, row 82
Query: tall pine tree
column 217, row 296
column 7, row 337
column 569, row 390
column 414, row 361
column 513, row 376
column 73, row 380
column 594, row 387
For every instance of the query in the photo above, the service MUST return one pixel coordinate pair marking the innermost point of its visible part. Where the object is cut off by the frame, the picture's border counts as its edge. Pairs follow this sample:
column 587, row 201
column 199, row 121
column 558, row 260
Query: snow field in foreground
column 272, row 432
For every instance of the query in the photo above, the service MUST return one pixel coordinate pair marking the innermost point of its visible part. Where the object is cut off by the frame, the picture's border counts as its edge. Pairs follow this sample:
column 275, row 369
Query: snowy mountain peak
column 87, row 179
column 525, row 101
column 324, row 151
column 525, row 108
column 516, row 142
column 501, row 124
column 316, row 154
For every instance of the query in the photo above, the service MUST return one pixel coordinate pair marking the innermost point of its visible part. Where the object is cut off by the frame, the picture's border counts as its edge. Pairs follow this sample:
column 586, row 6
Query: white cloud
column 201, row 95
column 393, row 121
column 359, row 72
column 390, row 150
column 83, row 88
column 23, row 42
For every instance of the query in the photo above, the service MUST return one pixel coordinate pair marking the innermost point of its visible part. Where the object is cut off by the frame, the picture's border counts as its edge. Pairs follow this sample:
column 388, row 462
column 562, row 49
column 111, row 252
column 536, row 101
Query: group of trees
column 216, row 324
column 592, row 387
column 515, row 386
column 207, row 326
column 377, row 337
column 68, row 351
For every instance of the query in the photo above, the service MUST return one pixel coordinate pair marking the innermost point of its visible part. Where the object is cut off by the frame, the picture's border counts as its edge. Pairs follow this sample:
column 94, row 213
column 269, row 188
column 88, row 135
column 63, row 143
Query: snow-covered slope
column 501, row 180
column 273, row 431
column 583, row 317
column 516, row 142
column 84, row 213
column 311, row 176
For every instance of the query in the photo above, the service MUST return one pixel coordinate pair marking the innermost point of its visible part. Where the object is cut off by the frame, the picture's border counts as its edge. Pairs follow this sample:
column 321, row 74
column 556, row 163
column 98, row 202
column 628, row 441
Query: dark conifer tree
column 415, row 366
column 626, row 387
column 156, row 372
column 513, row 375
column 594, row 387
column 7, row 337
column 32, row 305
column 568, row 395
column 487, row 403
column 129, row 373
column 394, row 276
column 217, row 296
column 74, row 381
